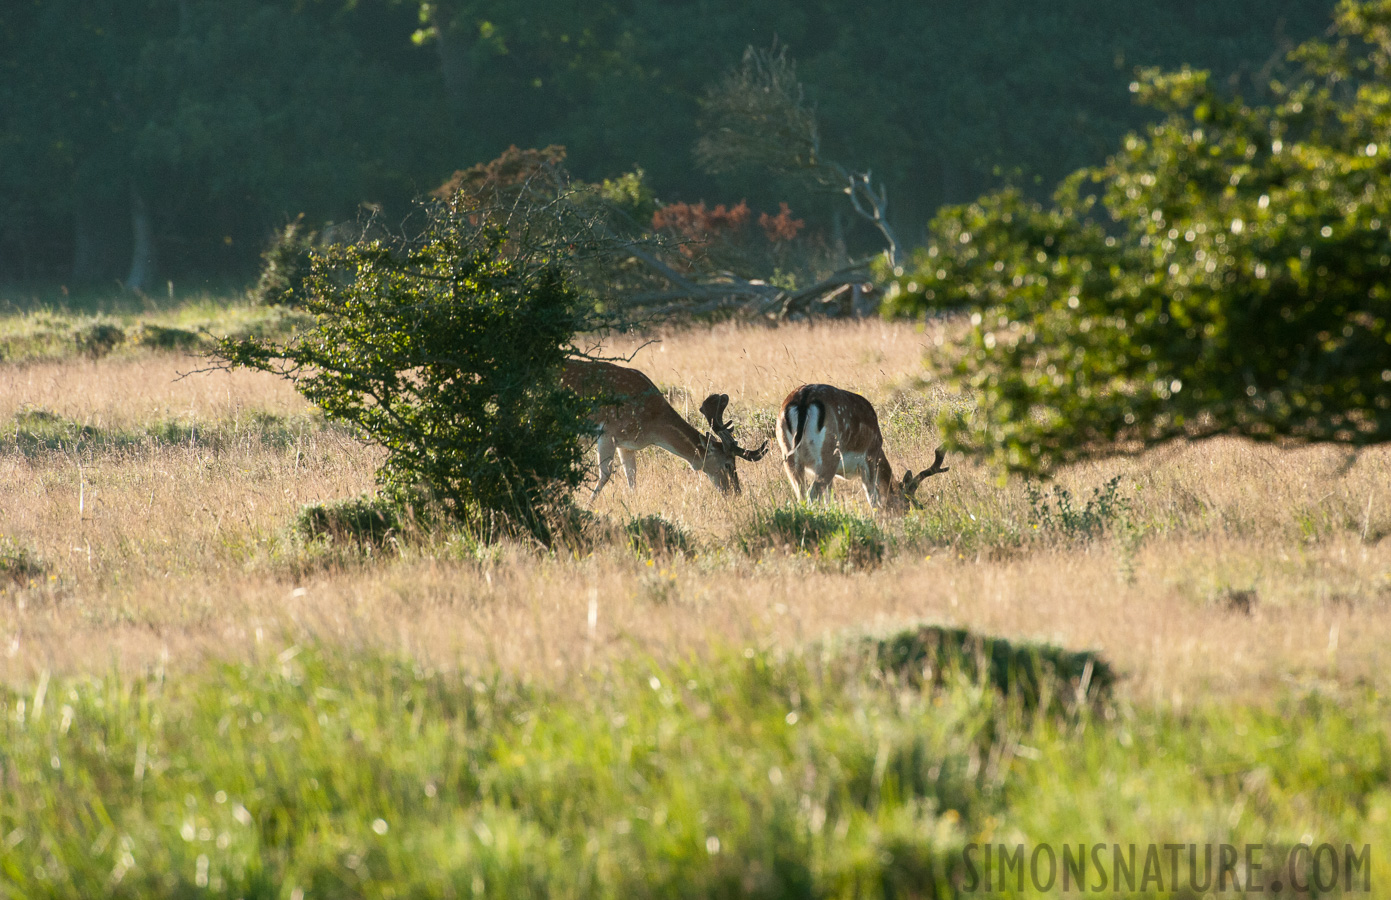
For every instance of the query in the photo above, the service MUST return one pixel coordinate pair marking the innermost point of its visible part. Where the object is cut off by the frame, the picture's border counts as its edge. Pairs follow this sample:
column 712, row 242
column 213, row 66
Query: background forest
column 152, row 139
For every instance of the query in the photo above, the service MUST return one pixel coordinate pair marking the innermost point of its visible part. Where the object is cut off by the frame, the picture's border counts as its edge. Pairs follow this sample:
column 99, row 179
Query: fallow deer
column 633, row 414
column 825, row 432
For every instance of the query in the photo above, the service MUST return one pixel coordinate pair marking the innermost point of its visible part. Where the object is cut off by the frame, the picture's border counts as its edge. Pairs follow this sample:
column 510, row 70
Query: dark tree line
column 146, row 138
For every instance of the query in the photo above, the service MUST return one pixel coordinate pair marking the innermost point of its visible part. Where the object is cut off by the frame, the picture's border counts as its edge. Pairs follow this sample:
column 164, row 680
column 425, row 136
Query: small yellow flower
column 649, row 564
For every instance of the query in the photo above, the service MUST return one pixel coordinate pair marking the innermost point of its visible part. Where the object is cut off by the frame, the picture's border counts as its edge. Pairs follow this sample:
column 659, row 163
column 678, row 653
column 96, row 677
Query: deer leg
column 629, row 458
column 795, row 476
column 604, row 447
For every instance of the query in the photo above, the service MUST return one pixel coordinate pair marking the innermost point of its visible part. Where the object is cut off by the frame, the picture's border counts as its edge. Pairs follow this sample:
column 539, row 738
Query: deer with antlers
column 827, row 433
column 633, row 414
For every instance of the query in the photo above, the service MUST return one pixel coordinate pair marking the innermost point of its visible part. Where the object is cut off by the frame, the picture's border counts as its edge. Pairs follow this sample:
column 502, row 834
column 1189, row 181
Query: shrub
column 36, row 428
column 96, row 339
column 285, row 266
column 1056, row 514
column 446, row 351
column 366, row 520
column 1034, row 673
column 652, row 535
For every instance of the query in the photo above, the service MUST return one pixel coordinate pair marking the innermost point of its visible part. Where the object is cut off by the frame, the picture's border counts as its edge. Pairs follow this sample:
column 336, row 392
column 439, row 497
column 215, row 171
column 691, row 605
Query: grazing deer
column 825, row 433
column 633, row 414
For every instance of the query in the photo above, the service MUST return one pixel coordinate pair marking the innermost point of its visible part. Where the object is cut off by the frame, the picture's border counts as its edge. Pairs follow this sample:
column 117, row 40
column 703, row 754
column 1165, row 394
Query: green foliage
column 96, row 339
column 631, row 193
column 62, row 333
column 367, row 520
column 830, row 533
column 230, row 116
column 653, row 535
column 1055, row 513
column 159, row 337
column 285, row 266
column 1036, row 674
column 446, row 351
column 1226, row 277
column 18, row 564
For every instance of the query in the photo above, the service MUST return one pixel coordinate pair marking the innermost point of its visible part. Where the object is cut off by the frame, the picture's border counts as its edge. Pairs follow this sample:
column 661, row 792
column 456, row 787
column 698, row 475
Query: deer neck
column 883, row 473
column 677, row 436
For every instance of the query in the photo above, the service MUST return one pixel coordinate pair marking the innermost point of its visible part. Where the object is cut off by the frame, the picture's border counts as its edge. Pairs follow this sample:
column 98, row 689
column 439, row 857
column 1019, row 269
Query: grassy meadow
column 696, row 696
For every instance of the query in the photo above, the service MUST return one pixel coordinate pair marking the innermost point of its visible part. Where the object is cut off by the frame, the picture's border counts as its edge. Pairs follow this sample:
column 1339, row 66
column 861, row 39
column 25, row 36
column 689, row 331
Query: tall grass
column 747, row 774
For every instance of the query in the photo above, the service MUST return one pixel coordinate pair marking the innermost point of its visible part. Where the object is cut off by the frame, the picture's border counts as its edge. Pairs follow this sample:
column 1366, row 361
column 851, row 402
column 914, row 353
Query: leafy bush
column 1057, row 514
column 367, row 520
column 446, row 351
column 1223, row 273
column 96, row 339
column 285, row 266
column 1034, row 673
column 826, row 532
column 653, row 536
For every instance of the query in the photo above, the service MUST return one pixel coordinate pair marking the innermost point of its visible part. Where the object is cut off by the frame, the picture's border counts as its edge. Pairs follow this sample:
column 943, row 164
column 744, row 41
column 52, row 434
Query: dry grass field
column 693, row 695
column 147, row 518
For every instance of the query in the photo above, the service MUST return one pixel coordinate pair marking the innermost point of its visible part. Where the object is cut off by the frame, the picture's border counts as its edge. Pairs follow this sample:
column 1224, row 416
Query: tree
column 170, row 134
column 1224, row 273
column 446, row 351
column 757, row 117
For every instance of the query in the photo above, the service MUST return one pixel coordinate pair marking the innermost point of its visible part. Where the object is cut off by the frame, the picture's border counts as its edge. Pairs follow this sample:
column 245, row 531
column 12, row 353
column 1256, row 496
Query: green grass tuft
column 365, row 520
column 826, row 532
column 655, row 536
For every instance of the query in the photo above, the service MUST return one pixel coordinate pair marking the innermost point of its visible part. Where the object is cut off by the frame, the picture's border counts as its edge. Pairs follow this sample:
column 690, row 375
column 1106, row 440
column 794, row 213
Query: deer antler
column 713, row 409
column 911, row 481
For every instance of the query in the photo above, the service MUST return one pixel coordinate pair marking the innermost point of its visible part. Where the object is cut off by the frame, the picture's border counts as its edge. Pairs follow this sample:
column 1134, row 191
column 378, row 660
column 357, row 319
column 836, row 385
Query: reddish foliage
column 781, row 227
column 696, row 223
column 512, row 169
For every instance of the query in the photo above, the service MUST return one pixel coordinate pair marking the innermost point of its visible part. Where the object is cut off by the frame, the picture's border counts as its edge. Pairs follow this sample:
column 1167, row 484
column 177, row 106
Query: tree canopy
column 1223, row 273
column 206, row 125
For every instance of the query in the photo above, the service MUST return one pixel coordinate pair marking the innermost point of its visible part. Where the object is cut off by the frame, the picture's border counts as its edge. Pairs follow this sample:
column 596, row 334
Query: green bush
column 97, row 339
column 1036, row 674
column 367, row 520
column 652, row 536
column 446, row 351
column 36, row 428
column 285, row 266
column 1055, row 514
column 1222, row 274
column 826, row 532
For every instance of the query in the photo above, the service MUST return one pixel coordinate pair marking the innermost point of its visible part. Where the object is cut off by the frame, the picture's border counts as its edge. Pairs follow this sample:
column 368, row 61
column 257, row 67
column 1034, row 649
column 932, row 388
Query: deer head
column 721, row 448
column 910, row 482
